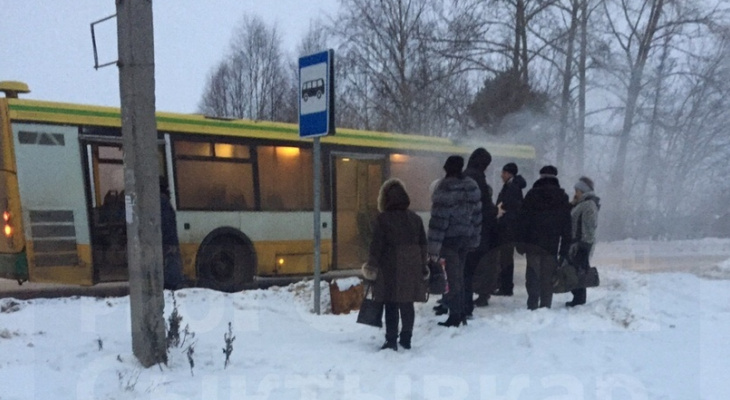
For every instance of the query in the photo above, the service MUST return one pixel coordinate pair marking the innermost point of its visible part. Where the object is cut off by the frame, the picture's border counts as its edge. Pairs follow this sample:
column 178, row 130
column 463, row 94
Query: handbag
column 588, row 278
column 565, row 278
column 437, row 281
column 371, row 311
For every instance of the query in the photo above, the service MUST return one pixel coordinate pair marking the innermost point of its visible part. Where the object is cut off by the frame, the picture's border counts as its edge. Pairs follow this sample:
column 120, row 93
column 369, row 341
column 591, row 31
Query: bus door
column 107, row 218
column 357, row 178
column 108, row 229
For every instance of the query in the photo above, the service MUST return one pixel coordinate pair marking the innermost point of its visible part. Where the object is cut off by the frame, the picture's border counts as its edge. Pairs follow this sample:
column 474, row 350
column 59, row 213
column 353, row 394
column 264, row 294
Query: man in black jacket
column 545, row 229
column 480, row 263
column 509, row 203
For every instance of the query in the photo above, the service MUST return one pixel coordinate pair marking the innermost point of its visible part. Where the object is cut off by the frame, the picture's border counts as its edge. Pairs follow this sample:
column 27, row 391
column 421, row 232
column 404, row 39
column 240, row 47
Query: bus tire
column 226, row 261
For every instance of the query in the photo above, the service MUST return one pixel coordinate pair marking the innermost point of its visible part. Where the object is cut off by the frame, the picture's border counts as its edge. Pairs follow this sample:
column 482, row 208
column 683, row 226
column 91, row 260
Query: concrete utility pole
column 142, row 192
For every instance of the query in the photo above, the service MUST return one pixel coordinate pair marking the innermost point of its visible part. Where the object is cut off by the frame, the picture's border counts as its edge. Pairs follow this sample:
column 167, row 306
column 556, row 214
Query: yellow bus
column 242, row 190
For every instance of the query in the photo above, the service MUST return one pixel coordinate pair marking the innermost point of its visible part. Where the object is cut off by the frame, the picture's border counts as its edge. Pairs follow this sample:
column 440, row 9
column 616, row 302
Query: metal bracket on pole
column 93, row 42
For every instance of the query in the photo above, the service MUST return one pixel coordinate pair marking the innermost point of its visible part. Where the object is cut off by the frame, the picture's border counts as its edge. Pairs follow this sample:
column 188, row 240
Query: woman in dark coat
column 397, row 262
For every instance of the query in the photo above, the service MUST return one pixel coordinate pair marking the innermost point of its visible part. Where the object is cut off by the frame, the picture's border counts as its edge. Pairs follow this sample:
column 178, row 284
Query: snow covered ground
column 644, row 334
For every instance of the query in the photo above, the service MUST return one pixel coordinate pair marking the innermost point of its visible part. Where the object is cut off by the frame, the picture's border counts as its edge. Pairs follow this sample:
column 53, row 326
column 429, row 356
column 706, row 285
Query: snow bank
column 640, row 336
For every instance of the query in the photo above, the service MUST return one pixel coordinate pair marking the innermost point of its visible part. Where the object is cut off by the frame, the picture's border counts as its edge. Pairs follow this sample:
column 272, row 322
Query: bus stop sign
column 316, row 95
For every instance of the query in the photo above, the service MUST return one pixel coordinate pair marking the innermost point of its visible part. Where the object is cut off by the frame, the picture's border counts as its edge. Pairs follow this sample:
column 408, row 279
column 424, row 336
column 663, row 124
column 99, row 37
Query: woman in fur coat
column 397, row 262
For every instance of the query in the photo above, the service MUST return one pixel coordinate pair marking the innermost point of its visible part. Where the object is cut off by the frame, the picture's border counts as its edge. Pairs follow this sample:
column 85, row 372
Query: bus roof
column 77, row 114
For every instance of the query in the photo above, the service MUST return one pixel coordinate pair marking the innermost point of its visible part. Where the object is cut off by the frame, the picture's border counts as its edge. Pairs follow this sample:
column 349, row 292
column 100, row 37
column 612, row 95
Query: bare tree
column 691, row 138
column 565, row 98
column 582, row 84
column 391, row 78
column 639, row 28
column 637, row 42
column 314, row 41
column 572, row 45
column 251, row 82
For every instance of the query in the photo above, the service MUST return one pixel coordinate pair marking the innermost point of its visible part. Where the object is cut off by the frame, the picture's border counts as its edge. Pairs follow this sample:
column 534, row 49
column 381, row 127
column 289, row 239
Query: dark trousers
column 481, row 271
column 455, row 259
column 539, row 279
column 581, row 262
column 470, row 266
column 172, row 267
column 506, row 266
column 407, row 317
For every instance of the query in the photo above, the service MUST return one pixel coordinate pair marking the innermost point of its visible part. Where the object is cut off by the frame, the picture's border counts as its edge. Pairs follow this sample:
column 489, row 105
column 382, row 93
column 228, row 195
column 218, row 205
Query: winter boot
column 574, row 303
column 579, row 297
column 390, row 344
column 441, row 309
column 454, row 320
column 482, row 301
column 405, row 340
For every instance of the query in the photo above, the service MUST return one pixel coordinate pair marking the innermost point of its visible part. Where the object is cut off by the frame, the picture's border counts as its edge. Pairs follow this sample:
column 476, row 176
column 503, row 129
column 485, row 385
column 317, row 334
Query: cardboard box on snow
column 346, row 295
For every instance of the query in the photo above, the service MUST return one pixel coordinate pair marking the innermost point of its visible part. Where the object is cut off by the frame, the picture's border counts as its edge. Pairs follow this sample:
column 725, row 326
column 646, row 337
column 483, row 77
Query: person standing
column 397, row 262
column 172, row 261
column 480, row 263
column 454, row 230
column 509, row 202
column 545, row 230
column 584, row 218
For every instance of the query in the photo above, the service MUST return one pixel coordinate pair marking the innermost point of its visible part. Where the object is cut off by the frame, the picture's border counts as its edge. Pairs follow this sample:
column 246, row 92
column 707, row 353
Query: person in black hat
column 454, row 230
column 481, row 267
column 548, row 170
column 509, row 202
column 545, row 234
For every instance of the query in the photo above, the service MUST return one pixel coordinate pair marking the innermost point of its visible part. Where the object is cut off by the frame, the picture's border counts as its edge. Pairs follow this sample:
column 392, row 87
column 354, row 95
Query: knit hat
column 548, row 170
column 511, row 168
column 454, row 165
column 588, row 182
column 582, row 186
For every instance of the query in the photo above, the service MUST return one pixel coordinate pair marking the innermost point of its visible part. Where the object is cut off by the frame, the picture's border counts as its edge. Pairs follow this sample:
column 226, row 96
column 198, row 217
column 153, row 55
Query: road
column 637, row 258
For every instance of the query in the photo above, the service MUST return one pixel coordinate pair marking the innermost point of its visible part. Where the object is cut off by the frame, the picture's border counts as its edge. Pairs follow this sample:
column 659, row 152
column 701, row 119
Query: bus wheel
column 319, row 94
column 226, row 262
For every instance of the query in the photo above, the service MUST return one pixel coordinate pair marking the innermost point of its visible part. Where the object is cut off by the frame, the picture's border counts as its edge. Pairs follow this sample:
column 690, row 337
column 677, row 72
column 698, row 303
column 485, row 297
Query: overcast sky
column 47, row 44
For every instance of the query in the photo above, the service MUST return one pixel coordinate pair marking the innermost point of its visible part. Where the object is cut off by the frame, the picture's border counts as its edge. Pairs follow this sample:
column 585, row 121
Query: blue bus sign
column 316, row 94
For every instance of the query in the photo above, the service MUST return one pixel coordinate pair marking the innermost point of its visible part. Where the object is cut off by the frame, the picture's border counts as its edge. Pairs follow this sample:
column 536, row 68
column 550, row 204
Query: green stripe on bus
column 54, row 110
column 432, row 143
column 230, row 125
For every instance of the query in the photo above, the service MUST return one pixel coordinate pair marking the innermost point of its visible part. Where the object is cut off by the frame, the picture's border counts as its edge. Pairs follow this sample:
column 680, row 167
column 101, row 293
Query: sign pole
column 317, row 118
column 317, row 231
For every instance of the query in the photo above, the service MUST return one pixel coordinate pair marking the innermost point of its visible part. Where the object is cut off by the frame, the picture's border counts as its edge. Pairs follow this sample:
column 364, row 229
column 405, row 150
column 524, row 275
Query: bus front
column 13, row 261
